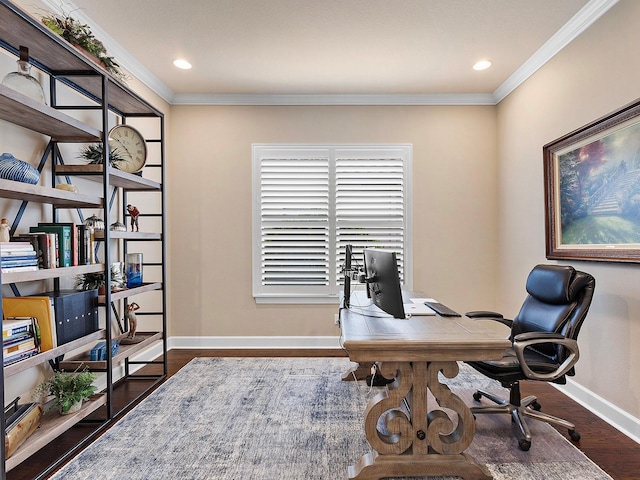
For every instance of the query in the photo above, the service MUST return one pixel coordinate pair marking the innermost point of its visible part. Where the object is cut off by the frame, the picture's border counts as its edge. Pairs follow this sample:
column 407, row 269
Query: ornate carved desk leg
column 422, row 442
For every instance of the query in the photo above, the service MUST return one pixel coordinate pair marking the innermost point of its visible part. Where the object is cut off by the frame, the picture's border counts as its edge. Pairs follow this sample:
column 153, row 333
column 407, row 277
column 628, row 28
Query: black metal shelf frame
column 66, row 67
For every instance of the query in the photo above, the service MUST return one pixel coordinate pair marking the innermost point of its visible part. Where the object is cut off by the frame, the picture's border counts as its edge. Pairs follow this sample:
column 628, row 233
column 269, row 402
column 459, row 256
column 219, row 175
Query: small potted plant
column 97, row 280
column 91, row 281
column 68, row 390
column 93, row 154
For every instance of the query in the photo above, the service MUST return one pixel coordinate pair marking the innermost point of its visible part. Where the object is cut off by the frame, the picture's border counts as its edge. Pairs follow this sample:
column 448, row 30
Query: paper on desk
column 422, row 300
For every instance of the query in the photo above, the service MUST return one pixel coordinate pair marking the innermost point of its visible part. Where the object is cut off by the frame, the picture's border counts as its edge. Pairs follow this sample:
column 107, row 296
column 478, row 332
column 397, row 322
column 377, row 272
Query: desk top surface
column 368, row 336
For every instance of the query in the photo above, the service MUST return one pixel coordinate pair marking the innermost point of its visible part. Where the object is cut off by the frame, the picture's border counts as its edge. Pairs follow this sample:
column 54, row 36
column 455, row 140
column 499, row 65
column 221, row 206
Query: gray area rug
column 289, row 418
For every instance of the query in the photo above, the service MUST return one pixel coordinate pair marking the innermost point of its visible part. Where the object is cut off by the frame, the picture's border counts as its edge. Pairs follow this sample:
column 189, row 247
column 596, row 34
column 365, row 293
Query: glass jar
column 134, row 270
column 22, row 81
column 117, row 276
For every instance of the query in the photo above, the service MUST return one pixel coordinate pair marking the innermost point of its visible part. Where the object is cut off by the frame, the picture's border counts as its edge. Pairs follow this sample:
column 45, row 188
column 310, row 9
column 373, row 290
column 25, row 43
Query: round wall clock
column 129, row 144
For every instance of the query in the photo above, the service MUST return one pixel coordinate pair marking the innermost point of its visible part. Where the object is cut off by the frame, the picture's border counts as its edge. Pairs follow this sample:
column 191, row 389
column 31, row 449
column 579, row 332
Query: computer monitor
column 383, row 281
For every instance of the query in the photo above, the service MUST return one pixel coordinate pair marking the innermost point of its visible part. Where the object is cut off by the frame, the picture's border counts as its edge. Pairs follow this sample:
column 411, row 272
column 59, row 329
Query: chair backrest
column 558, row 302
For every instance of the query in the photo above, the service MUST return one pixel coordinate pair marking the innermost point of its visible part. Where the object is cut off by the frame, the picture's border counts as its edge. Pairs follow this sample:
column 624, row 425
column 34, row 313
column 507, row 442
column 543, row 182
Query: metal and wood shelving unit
column 67, row 68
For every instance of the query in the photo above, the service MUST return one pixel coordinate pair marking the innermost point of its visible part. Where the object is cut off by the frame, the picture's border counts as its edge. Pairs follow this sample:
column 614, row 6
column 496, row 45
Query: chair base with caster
column 518, row 409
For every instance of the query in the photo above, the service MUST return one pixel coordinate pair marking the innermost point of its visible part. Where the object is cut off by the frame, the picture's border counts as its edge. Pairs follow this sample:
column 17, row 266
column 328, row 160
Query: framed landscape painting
column 592, row 190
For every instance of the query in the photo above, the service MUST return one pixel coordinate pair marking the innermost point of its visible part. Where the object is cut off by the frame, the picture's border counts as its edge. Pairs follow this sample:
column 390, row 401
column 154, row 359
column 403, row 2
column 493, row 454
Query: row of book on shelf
column 38, row 323
column 48, row 245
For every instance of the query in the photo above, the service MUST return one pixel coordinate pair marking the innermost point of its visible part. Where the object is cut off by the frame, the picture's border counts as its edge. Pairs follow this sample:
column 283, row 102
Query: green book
column 65, row 235
column 74, row 238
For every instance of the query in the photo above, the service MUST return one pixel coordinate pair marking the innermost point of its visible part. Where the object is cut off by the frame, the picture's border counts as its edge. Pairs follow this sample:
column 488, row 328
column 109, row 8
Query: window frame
column 330, row 293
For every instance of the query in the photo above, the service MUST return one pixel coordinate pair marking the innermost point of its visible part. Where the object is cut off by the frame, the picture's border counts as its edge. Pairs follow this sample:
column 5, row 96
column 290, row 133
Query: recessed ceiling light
column 482, row 65
column 181, row 63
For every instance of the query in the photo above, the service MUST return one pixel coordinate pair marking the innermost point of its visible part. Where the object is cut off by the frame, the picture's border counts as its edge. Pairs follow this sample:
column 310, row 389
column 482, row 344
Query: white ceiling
column 368, row 51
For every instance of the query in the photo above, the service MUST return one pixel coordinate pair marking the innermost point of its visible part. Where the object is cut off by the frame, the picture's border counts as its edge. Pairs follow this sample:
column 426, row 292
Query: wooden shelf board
column 130, row 292
column 117, row 178
column 53, row 353
column 26, row 112
column 57, row 197
column 125, row 351
column 47, row 273
column 121, row 98
column 130, row 235
column 56, row 56
column 53, row 425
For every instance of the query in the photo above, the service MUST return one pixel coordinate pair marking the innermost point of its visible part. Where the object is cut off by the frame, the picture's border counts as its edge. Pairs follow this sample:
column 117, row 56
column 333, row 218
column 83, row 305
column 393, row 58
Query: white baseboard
column 604, row 409
column 610, row 413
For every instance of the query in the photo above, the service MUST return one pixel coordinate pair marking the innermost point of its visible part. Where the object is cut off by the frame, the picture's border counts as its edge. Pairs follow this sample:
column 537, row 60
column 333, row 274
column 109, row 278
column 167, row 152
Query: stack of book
column 44, row 244
column 18, row 257
column 19, row 339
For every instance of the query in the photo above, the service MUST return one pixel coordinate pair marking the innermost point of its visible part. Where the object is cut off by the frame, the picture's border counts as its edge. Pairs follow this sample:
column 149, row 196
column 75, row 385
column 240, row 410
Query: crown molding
column 391, row 99
column 589, row 14
column 582, row 20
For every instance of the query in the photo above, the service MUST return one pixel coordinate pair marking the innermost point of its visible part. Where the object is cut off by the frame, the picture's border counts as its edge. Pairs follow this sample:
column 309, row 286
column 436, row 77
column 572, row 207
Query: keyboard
column 441, row 309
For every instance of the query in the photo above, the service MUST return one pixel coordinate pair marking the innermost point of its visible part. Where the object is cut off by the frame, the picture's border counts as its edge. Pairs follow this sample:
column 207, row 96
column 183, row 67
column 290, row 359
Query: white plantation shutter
column 310, row 201
column 370, row 206
column 294, row 212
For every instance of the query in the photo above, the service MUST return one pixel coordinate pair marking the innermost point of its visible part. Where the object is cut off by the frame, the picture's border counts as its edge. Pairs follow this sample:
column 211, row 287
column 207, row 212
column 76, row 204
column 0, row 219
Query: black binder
column 76, row 313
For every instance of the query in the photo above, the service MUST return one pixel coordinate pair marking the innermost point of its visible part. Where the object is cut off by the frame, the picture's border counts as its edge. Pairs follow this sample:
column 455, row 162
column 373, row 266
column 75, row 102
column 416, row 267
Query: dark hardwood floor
column 614, row 452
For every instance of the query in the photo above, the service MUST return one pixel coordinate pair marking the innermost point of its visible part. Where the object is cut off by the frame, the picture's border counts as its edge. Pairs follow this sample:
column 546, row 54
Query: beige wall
column 594, row 75
column 455, row 194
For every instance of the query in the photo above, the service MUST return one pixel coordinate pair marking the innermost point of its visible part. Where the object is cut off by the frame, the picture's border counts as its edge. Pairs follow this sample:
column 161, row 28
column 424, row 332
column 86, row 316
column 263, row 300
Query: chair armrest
column 522, row 337
column 488, row 315
column 524, row 340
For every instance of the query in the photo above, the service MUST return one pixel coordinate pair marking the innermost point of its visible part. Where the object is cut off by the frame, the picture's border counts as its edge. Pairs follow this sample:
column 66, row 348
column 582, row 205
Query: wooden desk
column 424, row 442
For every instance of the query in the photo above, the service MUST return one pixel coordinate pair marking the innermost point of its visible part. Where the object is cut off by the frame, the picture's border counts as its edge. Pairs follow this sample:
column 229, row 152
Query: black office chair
column 544, row 347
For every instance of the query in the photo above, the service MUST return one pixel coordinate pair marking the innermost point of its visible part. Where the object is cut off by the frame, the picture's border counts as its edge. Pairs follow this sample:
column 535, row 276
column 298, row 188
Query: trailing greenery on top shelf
column 80, row 35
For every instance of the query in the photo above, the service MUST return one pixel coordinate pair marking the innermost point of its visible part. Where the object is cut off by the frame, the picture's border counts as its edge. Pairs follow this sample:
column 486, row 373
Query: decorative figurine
column 95, row 222
column 130, row 315
column 4, row 231
column 118, row 227
column 134, row 213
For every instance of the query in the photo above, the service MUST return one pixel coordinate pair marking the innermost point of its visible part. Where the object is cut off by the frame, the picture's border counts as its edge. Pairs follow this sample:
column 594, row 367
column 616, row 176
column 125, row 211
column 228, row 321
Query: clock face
column 129, row 145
